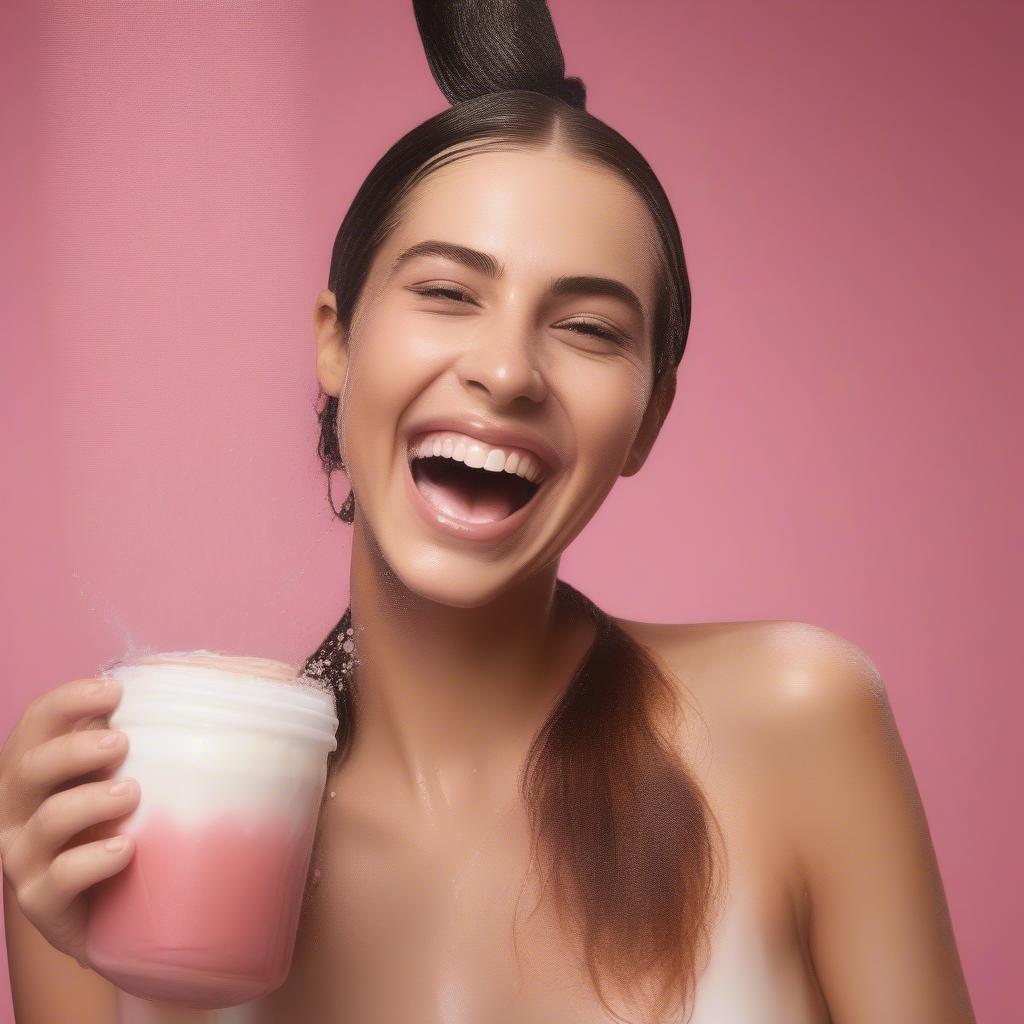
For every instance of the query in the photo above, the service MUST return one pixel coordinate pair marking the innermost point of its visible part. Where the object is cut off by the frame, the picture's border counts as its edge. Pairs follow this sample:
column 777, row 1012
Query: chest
column 440, row 926
column 451, row 926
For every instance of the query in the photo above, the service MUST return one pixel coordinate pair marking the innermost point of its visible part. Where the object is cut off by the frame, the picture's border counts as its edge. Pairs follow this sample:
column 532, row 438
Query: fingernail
column 116, row 844
column 111, row 740
column 119, row 787
column 94, row 689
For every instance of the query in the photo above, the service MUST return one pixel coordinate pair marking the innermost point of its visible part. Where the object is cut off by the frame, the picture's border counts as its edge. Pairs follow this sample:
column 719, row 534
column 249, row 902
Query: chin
column 448, row 579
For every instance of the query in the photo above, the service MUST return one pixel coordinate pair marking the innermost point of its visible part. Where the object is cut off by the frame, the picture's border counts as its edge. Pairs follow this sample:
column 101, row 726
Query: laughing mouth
column 473, row 495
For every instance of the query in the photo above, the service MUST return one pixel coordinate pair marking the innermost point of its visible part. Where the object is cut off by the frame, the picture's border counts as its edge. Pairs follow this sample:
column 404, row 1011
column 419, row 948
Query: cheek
column 393, row 352
column 607, row 415
column 390, row 365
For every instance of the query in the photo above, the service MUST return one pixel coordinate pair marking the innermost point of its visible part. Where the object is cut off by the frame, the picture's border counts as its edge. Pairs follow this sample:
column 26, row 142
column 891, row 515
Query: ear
column 654, row 416
column 331, row 344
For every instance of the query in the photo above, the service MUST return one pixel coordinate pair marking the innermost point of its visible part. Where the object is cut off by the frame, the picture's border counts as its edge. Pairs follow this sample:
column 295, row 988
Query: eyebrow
column 485, row 263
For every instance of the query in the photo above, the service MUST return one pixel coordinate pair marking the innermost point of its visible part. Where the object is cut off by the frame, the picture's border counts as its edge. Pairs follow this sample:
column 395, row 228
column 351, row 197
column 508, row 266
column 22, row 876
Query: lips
column 446, row 518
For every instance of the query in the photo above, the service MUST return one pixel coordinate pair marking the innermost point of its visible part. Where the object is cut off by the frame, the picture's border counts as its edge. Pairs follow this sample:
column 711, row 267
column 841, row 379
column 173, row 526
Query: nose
column 502, row 361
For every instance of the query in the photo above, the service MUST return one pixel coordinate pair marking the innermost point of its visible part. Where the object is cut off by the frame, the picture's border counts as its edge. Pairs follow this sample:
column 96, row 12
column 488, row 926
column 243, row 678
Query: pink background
column 846, row 178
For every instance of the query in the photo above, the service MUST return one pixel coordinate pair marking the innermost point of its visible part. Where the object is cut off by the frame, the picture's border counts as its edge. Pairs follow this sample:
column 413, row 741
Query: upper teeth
column 463, row 448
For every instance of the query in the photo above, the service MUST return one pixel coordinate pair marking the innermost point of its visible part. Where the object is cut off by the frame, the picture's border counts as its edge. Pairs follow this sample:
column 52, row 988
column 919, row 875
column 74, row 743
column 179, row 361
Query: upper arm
column 880, row 933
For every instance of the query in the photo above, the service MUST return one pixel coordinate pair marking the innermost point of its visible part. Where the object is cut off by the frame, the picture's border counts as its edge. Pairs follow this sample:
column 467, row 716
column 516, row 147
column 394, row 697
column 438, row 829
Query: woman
column 536, row 812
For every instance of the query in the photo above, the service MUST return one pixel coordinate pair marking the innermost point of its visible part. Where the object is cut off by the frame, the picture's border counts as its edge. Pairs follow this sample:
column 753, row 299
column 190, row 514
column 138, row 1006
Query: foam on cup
column 230, row 753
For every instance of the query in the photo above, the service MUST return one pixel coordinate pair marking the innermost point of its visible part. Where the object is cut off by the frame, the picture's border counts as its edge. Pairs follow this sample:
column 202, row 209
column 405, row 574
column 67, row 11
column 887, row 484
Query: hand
column 45, row 806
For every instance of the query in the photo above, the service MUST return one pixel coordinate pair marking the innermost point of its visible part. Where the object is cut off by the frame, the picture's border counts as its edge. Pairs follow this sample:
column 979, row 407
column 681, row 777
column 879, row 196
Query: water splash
column 110, row 616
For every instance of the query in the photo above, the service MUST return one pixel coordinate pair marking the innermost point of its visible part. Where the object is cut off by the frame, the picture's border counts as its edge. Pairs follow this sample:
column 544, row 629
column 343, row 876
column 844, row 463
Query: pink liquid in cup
column 206, row 912
column 202, row 916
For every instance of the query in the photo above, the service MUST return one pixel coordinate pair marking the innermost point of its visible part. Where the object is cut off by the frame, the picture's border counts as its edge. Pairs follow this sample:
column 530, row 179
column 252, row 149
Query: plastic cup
column 231, row 757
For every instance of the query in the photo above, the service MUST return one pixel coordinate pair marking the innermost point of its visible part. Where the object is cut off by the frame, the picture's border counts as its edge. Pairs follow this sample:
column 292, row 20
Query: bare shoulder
column 792, row 718
column 801, row 717
column 766, row 673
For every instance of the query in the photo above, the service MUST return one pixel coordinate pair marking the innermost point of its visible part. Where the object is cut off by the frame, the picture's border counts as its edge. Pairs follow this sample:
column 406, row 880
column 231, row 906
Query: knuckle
column 68, row 744
column 56, row 873
column 12, row 856
column 47, row 814
column 29, row 722
column 60, row 874
column 26, row 767
column 27, row 893
column 35, row 712
column 72, row 749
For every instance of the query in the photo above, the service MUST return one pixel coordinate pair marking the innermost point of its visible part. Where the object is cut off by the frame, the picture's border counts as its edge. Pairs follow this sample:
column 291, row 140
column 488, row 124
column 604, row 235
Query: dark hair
column 615, row 814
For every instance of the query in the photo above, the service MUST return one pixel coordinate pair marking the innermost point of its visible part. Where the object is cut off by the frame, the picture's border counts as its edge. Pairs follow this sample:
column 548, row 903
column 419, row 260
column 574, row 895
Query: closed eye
column 446, row 292
column 594, row 329
column 578, row 327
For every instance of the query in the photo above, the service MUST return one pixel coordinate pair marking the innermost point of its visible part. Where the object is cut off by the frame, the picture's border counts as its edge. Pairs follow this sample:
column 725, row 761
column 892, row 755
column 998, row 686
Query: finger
column 64, row 815
column 56, row 711
column 48, row 895
column 44, row 767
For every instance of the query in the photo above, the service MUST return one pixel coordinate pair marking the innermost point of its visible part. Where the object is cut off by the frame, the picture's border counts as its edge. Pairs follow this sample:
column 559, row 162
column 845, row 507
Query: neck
column 450, row 698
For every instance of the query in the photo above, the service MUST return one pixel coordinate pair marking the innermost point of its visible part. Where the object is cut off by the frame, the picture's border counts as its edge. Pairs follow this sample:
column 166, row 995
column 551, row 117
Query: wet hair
column 621, row 827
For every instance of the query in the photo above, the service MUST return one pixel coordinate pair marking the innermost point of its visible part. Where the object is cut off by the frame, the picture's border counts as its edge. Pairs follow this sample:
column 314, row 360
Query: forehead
column 540, row 212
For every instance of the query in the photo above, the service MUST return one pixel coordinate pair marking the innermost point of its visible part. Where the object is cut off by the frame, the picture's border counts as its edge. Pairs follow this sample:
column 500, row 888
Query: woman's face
column 493, row 340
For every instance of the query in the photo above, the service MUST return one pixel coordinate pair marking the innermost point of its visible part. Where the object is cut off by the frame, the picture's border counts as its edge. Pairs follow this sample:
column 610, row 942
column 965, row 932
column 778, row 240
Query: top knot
column 475, row 47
